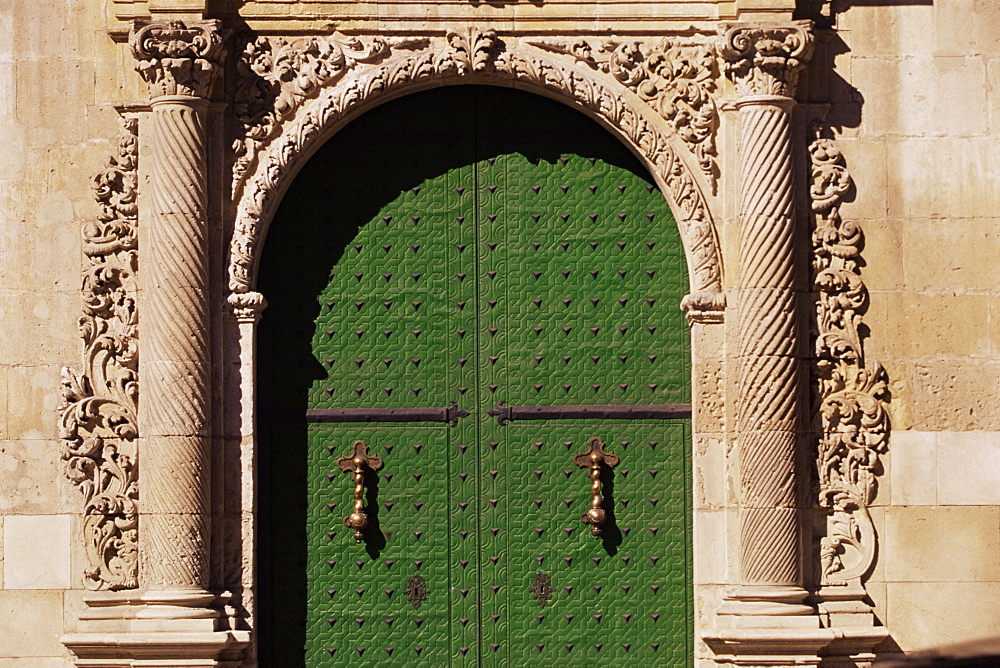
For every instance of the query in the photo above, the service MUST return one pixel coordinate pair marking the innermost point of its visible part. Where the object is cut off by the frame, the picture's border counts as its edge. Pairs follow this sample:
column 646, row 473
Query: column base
column 775, row 605
column 157, row 629
column 761, row 626
column 844, row 605
column 847, row 647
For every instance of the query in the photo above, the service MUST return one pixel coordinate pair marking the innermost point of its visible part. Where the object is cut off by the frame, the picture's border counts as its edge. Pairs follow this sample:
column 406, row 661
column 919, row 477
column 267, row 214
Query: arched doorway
column 443, row 253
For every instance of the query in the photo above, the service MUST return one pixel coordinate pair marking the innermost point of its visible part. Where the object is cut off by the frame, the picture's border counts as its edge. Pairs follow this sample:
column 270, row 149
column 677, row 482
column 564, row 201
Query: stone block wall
column 925, row 158
column 56, row 130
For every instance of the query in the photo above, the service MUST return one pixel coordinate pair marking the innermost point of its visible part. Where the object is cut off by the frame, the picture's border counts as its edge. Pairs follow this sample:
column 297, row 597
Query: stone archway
column 296, row 94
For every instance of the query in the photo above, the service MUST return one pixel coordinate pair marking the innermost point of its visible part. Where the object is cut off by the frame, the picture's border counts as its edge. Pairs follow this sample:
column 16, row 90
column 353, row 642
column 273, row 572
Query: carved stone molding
column 765, row 59
column 97, row 420
column 292, row 101
column 177, row 58
column 675, row 78
column 853, row 421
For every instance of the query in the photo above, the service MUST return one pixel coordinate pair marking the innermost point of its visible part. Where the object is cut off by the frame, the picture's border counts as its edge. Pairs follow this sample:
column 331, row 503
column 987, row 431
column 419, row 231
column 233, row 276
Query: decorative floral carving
column 473, row 49
column 765, row 59
column 853, row 420
column 98, row 415
column 677, row 80
column 476, row 56
column 177, row 58
column 276, row 75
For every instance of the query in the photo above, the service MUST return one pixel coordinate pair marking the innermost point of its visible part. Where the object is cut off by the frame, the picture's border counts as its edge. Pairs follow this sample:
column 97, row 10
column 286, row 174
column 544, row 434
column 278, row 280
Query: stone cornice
column 178, row 58
column 766, row 58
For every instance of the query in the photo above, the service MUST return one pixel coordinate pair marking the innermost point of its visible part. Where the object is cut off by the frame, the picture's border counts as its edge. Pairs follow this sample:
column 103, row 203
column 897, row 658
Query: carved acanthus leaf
column 97, row 420
column 765, row 59
column 480, row 56
column 177, row 58
column 276, row 75
column 853, row 420
column 675, row 79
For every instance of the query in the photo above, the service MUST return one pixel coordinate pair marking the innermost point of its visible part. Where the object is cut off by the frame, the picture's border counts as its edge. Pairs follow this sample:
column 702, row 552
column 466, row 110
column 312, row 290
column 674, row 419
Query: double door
column 475, row 287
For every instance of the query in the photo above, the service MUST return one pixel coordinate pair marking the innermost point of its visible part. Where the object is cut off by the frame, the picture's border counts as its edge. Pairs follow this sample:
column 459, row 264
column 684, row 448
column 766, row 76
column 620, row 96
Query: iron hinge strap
column 449, row 414
column 505, row 413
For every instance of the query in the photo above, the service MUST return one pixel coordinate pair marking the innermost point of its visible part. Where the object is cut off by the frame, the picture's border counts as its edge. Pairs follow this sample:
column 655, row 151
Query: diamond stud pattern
column 537, row 275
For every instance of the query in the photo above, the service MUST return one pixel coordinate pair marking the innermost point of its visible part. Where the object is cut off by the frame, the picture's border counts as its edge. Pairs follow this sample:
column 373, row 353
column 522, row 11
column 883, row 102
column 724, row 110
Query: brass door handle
column 356, row 463
column 594, row 459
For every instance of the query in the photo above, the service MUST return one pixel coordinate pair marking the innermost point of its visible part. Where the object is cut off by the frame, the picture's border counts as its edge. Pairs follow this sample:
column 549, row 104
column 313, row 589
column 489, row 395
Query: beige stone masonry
column 36, row 552
column 914, row 107
column 932, row 468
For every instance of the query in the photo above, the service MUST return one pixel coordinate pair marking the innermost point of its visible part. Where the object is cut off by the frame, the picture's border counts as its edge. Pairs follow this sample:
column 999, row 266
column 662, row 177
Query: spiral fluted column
column 179, row 62
column 763, row 60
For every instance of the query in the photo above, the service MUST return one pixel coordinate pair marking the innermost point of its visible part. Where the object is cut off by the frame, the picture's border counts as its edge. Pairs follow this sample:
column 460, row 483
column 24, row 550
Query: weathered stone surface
column 36, row 552
column 30, row 470
column 31, row 623
column 941, row 543
column 922, row 612
column 945, row 255
column 956, row 395
column 942, row 177
column 930, row 325
column 924, row 92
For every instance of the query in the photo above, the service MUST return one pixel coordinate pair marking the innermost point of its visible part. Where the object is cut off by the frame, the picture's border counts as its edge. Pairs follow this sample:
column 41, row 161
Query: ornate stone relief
column 290, row 107
column 276, row 75
column 766, row 59
column 675, row 79
column 854, row 423
column 98, row 416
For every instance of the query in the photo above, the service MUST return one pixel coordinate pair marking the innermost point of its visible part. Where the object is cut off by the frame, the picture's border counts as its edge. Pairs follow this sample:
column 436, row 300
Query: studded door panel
column 581, row 275
column 530, row 261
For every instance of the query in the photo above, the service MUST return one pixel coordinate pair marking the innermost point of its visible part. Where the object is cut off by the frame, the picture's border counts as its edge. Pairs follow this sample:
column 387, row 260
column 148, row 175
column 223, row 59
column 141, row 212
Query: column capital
column 765, row 58
column 177, row 57
column 246, row 306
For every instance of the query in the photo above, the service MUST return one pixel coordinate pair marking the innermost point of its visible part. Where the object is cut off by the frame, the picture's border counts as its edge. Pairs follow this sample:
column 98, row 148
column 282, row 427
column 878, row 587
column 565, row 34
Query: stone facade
column 834, row 171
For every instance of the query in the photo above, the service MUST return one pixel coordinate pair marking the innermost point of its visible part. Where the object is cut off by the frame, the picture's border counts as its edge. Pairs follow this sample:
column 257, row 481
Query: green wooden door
column 454, row 254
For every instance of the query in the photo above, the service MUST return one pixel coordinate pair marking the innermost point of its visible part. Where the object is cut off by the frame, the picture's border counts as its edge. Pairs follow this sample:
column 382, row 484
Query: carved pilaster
column 180, row 63
column 763, row 61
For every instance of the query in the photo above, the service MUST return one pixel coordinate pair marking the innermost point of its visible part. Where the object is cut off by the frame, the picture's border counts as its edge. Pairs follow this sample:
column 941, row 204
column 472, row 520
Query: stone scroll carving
column 97, row 420
column 291, row 99
column 854, row 424
column 675, row 79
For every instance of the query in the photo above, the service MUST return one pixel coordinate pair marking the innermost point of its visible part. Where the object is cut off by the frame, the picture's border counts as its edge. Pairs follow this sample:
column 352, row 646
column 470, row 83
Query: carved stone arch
column 336, row 79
